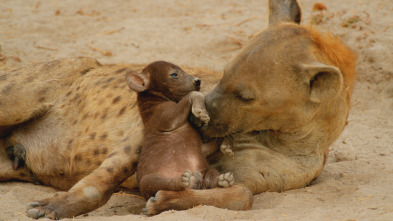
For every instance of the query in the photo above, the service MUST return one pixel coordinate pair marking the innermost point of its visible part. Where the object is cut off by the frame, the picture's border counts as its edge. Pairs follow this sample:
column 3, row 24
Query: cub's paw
column 201, row 114
column 186, row 179
column 226, row 150
column 191, row 180
column 226, row 180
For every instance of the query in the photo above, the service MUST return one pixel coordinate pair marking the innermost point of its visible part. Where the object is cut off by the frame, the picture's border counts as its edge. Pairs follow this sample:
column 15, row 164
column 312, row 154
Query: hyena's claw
column 35, row 213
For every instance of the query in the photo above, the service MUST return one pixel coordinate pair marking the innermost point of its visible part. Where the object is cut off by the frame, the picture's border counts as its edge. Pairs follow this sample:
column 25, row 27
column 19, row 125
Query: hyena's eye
column 174, row 75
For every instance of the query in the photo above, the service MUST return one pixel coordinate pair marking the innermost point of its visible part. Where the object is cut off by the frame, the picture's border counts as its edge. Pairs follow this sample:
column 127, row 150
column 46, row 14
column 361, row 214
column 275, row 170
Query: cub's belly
column 170, row 154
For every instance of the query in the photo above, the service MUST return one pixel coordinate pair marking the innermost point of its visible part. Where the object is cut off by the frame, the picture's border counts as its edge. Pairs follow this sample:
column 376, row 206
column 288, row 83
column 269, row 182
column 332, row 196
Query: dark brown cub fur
column 171, row 156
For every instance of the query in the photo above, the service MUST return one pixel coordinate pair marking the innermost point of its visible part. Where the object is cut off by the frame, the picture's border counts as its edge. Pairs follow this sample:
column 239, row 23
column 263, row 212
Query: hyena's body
column 77, row 121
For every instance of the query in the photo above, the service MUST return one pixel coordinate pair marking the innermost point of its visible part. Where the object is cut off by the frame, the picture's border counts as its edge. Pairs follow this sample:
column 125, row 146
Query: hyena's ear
column 138, row 82
column 284, row 11
column 325, row 81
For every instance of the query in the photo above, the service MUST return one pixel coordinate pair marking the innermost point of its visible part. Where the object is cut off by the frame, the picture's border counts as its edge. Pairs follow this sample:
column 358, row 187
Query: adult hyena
column 282, row 102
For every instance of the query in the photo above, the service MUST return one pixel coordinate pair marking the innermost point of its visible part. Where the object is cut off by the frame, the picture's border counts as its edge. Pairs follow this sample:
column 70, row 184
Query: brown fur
column 80, row 137
column 171, row 154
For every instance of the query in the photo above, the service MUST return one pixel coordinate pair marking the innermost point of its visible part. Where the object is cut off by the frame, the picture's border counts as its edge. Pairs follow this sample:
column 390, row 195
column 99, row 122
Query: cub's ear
column 138, row 82
column 326, row 81
column 284, row 11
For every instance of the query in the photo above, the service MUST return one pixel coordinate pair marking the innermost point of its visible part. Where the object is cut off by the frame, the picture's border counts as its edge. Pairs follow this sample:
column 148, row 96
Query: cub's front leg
column 198, row 108
column 172, row 115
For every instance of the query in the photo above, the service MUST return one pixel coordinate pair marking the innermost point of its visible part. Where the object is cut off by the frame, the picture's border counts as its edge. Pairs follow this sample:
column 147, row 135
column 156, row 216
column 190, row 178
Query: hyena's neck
column 148, row 102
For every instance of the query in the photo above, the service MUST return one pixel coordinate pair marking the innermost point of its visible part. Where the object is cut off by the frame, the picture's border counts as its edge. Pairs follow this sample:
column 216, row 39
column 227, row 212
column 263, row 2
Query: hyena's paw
column 191, row 180
column 61, row 205
column 165, row 200
column 226, row 180
column 226, row 150
column 156, row 204
column 53, row 208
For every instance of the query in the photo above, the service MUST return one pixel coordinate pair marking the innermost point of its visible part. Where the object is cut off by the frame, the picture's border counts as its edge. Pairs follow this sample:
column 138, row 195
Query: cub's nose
column 197, row 82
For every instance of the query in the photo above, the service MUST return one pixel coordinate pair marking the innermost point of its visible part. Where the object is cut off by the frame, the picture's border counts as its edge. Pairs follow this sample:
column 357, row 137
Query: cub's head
column 164, row 79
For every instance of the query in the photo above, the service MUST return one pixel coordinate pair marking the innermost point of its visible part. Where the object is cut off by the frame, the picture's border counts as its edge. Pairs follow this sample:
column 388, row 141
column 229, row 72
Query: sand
column 357, row 181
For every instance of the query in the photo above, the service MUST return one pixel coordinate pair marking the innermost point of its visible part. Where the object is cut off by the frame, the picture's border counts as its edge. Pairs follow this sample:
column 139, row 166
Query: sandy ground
column 357, row 182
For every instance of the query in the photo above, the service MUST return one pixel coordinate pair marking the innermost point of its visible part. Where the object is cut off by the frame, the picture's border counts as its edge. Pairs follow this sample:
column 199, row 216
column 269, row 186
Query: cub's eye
column 174, row 75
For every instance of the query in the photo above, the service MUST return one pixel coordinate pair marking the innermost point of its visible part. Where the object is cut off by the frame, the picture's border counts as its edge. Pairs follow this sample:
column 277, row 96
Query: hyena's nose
column 197, row 82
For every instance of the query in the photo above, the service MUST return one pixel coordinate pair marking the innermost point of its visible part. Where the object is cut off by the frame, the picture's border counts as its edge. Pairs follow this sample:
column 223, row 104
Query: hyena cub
column 171, row 155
